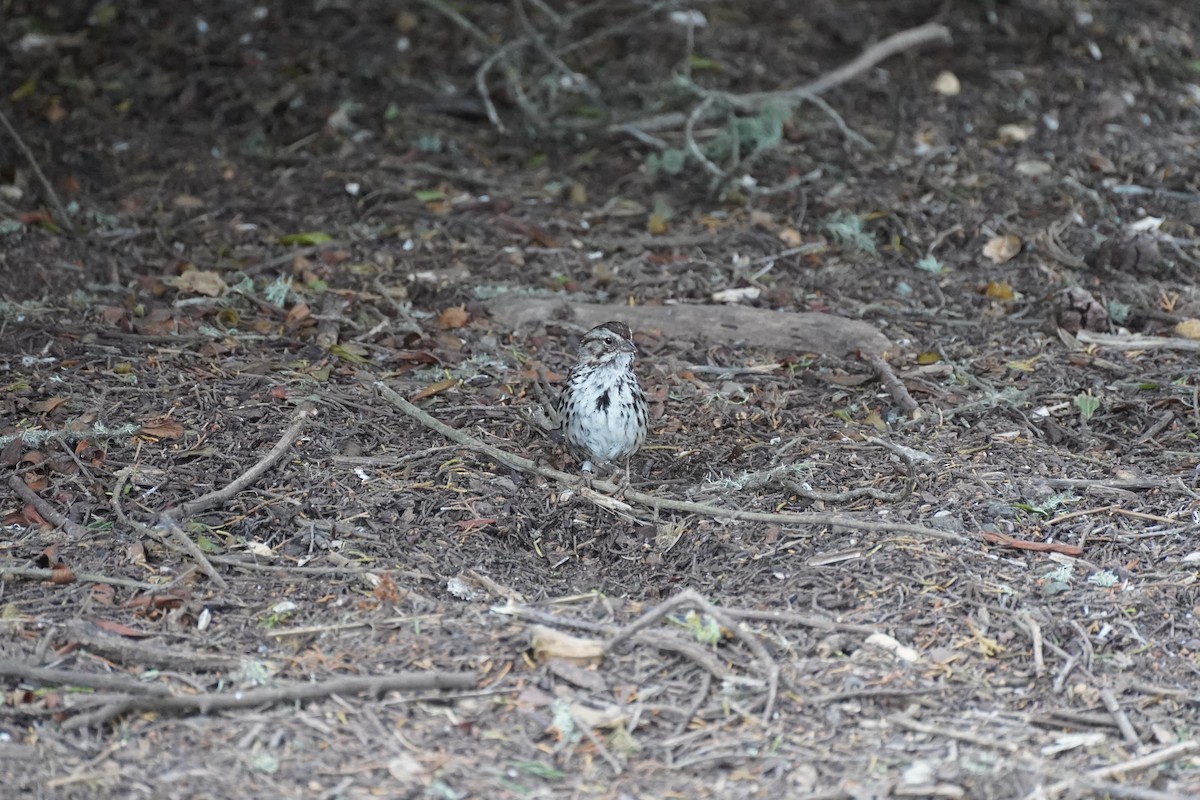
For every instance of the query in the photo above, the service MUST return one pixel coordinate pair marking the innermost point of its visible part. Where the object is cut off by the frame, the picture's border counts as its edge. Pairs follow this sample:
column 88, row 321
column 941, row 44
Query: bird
column 603, row 409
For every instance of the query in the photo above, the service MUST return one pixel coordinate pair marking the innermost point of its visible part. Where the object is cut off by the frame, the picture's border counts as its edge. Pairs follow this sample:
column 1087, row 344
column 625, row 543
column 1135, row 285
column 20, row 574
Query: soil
column 964, row 569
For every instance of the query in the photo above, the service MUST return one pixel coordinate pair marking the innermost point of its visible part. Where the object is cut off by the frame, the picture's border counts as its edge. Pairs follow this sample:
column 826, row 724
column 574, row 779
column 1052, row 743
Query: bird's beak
column 628, row 346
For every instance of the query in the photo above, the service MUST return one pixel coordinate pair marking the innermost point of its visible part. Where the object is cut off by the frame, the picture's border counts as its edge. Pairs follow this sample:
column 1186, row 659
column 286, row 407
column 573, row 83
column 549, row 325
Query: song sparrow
column 602, row 407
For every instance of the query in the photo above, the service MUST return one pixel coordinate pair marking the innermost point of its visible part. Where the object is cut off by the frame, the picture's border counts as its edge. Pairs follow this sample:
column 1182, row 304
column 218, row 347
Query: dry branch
column 657, row 502
column 896, row 43
column 208, row 702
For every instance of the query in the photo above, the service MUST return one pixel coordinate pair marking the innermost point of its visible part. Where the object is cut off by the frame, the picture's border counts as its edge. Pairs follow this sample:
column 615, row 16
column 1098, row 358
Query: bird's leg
column 622, row 481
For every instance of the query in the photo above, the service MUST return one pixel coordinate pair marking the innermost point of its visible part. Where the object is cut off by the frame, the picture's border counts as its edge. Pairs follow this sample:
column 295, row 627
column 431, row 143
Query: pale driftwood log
column 803, row 332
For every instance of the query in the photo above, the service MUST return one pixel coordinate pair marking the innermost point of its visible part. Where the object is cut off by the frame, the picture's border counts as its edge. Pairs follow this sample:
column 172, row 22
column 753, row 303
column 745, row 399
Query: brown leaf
column 995, row 537
column 44, row 406
column 472, row 524
column 453, row 317
column 162, row 428
column 60, row 573
column 120, row 629
column 298, row 313
column 199, row 281
column 434, row 388
column 548, row 643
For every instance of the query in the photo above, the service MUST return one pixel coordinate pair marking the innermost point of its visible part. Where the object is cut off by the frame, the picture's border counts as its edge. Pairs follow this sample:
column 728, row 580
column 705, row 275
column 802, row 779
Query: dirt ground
column 238, row 563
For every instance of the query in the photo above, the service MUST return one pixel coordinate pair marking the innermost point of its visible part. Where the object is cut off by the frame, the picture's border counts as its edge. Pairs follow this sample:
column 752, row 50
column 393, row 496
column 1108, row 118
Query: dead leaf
column 791, row 237
column 1189, row 329
column 996, row 537
column 1032, row 168
column 199, row 281
column 44, row 406
column 762, row 219
column 999, row 290
column 188, row 202
column 947, row 84
column 297, row 314
column 656, row 224
column 1014, row 134
column 1002, row 248
column 162, row 428
column 60, row 573
column 120, row 629
column 548, row 643
column 434, row 388
column 453, row 317
column 736, row 295
column 473, row 524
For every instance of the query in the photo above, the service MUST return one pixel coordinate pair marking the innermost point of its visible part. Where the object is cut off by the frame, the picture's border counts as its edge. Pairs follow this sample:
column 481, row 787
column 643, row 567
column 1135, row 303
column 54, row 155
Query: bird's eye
column 609, row 340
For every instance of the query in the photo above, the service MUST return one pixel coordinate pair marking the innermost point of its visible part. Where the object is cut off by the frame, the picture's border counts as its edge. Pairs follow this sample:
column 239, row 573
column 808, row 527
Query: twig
column 458, row 19
column 1171, row 753
column 208, row 702
column 981, row 740
column 175, row 537
column 134, row 653
column 577, row 80
column 690, row 597
column 894, row 385
column 1137, row 342
column 604, row 752
column 481, row 82
column 190, row 547
column 697, row 703
column 654, row 501
column 896, row 43
column 92, row 680
column 1035, row 633
column 815, row 621
column 1109, row 698
column 18, row 485
column 219, row 496
column 689, row 139
column 47, row 187
column 88, row 577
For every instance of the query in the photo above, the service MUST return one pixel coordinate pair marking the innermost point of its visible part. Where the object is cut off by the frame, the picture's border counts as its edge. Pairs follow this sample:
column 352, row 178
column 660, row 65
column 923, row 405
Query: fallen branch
column 215, row 498
column 690, row 597
column 133, row 653
column 208, row 702
column 47, row 187
column 38, row 574
column 91, row 680
column 656, row 502
column 18, row 485
column 1171, row 753
column 755, row 101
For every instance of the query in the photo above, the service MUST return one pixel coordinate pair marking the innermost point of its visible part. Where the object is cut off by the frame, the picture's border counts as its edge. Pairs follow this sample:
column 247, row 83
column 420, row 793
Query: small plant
column 1087, row 403
column 847, row 230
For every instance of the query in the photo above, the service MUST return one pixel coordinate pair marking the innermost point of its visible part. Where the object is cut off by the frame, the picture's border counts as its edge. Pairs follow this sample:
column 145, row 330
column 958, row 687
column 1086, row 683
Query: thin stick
column 18, row 485
column 981, row 740
column 1171, row 753
column 88, row 577
column 208, row 702
column 693, row 598
column 219, row 496
column 896, row 43
column 91, row 680
column 1109, row 698
column 894, row 385
column 654, row 501
column 1035, row 633
column 196, row 554
column 63, row 219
